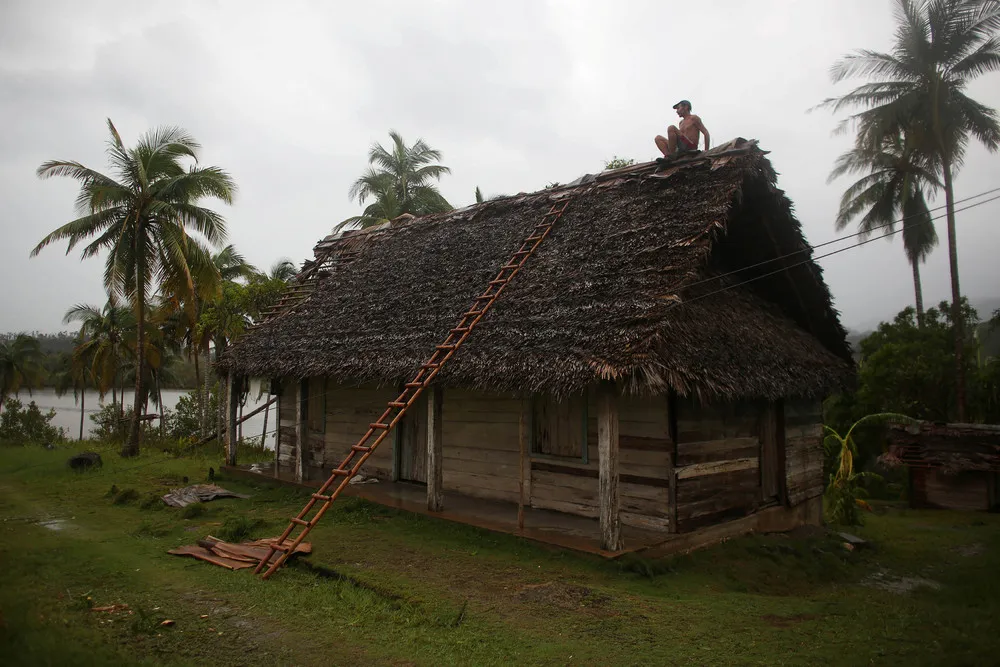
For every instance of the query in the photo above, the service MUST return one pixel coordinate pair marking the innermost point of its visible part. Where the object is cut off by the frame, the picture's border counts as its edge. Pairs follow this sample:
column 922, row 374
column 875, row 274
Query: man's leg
column 662, row 144
column 672, row 134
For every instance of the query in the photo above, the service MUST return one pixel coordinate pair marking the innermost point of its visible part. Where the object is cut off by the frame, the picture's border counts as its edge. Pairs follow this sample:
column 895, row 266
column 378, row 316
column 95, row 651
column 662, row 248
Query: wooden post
column 607, row 452
column 300, row 427
column 524, row 466
column 435, row 451
column 232, row 400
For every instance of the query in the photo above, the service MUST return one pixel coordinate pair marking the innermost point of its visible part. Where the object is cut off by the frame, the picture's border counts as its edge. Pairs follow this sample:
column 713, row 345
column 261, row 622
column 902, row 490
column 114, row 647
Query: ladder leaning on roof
column 379, row 430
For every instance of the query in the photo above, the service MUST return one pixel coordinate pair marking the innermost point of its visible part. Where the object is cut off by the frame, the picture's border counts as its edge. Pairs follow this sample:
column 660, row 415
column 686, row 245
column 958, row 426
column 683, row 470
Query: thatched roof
column 617, row 291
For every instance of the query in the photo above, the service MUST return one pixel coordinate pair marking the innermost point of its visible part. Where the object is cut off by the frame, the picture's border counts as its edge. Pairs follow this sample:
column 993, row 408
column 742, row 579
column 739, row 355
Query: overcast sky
column 289, row 96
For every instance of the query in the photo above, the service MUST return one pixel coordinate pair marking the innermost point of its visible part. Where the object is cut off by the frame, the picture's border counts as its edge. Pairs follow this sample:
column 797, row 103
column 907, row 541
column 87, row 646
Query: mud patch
column 900, row 585
column 55, row 524
column 787, row 621
column 967, row 550
column 567, row 596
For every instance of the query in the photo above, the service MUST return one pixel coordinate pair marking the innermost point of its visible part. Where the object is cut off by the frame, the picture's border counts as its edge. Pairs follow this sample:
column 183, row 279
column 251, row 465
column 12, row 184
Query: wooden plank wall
column 803, row 450
column 718, row 462
column 286, row 426
column 349, row 411
column 569, row 485
column 480, row 434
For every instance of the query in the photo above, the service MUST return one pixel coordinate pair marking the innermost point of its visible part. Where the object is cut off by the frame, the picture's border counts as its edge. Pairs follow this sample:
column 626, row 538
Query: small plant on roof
column 844, row 494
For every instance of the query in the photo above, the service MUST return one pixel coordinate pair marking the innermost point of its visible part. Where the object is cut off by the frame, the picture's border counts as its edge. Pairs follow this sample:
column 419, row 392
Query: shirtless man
column 685, row 138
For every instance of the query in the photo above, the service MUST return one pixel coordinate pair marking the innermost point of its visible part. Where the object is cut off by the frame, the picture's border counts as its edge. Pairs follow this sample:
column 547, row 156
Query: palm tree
column 74, row 374
column 399, row 181
column 284, row 270
column 141, row 216
column 892, row 187
column 106, row 339
column 232, row 265
column 20, row 364
column 940, row 47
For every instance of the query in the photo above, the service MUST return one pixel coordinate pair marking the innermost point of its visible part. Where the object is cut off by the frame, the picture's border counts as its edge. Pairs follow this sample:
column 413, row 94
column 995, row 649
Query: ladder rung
column 378, row 425
column 459, row 330
column 446, row 347
column 340, row 472
column 499, row 281
column 511, row 266
column 522, row 252
column 534, row 238
column 360, row 448
column 414, row 385
column 301, row 522
column 473, row 313
column 320, row 496
column 397, row 404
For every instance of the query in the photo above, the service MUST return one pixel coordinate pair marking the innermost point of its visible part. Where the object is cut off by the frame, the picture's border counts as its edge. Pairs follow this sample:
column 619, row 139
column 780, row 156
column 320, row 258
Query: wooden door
column 412, row 450
column 772, row 460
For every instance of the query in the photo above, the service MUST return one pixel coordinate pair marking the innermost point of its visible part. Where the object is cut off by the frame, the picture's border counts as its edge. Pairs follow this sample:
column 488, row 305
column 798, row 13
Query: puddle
column 55, row 524
column 900, row 585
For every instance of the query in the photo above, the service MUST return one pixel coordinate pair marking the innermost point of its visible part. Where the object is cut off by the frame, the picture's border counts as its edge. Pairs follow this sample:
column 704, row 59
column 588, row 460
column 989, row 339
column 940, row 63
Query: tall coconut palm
column 940, row 47
column 399, row 180
column 20, row 364
column 141, row 217
column 74, row 374
column 892, row 187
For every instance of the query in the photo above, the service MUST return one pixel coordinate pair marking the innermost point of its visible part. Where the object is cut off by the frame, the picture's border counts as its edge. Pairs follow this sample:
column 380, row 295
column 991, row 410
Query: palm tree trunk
column 918, row 292
column 1, row 402
column 239, row 438
column 159, row 397
column 83, row 404
column 198, row 394
column 131, row 447
column 207, row 397
column 956, row 296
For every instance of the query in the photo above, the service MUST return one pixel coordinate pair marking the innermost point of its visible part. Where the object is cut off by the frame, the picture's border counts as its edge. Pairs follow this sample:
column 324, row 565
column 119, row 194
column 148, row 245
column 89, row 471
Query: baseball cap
column 683, row 102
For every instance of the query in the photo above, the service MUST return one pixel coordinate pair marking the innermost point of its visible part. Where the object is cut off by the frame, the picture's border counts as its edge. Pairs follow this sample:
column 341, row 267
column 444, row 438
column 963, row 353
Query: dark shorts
column 684, row 144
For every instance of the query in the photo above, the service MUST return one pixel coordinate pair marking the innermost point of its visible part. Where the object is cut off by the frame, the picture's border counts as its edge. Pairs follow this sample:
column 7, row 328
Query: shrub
column 24, row 425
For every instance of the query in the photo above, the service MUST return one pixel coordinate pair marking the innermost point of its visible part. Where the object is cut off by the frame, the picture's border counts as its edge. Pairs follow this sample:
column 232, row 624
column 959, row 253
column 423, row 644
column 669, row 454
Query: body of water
column 68, row 410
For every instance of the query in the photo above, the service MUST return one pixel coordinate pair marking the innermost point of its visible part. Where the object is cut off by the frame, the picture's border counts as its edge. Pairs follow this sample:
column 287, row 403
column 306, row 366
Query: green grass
column 386, row 587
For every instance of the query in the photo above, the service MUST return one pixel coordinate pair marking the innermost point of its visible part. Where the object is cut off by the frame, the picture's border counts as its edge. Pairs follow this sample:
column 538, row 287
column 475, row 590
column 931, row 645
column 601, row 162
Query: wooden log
column 300, row 428
column 607, row 448
column 435, row 451
column 215, row 434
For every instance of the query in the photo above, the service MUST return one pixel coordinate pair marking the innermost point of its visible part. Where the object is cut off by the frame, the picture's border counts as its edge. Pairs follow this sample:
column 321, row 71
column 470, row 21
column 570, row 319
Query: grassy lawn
column 386, row 587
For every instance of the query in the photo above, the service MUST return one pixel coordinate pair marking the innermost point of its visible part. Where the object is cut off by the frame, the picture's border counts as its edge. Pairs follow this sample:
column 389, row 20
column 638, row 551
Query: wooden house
column 659, row 363
column 950, row 466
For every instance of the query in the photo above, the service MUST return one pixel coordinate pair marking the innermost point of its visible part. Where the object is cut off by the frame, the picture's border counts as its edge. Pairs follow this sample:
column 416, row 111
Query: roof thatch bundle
column 629, row 286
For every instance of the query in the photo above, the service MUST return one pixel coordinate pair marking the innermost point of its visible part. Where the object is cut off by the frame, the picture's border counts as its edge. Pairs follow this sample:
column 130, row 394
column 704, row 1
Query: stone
column 85, row 461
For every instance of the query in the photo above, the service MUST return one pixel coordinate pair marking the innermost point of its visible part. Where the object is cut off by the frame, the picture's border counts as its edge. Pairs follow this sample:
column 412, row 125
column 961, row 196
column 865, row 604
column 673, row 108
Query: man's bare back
column 686, row 137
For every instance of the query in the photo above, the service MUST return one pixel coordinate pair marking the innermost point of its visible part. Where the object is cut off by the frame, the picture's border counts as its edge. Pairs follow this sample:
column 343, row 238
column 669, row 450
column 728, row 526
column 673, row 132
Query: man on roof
column 684, row 138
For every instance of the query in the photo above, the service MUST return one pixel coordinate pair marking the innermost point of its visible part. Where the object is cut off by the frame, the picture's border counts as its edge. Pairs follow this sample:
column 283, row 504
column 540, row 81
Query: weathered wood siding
column 803, row 450
column 571, row 485
column 349, row 411
column 480, row 435
column 718, row 462
column 286, row 426
column 968, row 490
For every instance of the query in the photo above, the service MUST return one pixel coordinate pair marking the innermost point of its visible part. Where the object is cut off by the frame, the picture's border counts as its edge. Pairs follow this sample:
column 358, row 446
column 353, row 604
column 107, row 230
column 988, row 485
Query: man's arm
column 704, row 130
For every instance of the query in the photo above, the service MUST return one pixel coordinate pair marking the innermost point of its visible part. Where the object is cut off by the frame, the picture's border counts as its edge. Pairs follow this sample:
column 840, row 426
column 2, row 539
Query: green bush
column 239, row 528
column 27, row 425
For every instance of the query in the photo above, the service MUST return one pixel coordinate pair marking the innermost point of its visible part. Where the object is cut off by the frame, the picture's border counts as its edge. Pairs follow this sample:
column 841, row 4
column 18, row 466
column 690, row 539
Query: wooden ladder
column 379, row 430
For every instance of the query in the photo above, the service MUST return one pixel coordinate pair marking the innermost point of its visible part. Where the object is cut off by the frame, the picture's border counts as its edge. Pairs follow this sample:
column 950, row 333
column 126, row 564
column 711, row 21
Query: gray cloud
column 289, row 98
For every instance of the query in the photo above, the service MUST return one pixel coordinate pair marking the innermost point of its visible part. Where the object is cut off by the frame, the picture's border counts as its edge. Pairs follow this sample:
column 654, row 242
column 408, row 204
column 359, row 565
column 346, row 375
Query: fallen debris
column 111, row 608
column 198, row 493
column 854, row 541
column 234, row 556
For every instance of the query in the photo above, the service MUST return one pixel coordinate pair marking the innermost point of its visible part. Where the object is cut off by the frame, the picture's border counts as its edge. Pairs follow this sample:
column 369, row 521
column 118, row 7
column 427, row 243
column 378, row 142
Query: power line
column 809, row 249
column 811, row 259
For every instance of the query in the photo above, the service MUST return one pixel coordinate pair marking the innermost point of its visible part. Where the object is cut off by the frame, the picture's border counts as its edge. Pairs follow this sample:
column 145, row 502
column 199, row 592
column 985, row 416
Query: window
column 559, row 427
